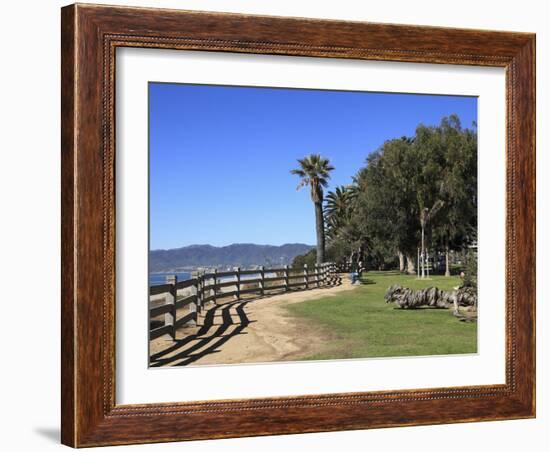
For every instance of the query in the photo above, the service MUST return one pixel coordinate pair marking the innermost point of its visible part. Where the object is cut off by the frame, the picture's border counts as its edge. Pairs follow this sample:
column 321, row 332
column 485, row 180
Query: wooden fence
column 178, row 303
column 346, row 267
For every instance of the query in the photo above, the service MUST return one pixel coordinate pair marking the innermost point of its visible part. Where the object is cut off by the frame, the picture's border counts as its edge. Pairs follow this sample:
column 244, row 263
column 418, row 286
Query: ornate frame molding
column 90, row 37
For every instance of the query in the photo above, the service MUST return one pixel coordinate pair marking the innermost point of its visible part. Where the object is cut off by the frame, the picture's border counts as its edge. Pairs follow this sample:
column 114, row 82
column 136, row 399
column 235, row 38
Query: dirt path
column 246, row 331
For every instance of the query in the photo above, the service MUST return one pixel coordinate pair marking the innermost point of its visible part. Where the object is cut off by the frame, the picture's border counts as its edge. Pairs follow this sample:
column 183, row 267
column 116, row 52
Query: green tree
column 387, row 202
column 314, row 172
column 418, row 192
column 458, row 219
column 308, row 259
column 426, row 216
column 413, row 193
column 470, row 270
column 429, row 154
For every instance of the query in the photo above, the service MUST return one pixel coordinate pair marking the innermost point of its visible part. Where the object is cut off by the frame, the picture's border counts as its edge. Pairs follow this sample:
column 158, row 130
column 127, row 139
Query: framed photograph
column 281, row 225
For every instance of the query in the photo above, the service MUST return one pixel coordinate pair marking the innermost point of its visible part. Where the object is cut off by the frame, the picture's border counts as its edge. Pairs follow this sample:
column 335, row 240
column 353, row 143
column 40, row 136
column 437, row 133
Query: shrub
column 470, row 269
column 309, row 258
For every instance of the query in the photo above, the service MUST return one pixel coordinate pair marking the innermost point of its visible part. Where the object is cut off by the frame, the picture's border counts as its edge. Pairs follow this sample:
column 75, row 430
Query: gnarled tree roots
column 432, row 296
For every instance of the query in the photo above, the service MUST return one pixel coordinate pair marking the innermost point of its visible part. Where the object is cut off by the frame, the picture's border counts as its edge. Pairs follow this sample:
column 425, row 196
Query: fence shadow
column 332, row 281
column 210, row 337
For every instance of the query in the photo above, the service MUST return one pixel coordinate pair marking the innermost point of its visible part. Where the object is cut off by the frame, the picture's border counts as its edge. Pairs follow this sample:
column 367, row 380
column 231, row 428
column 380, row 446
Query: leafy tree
column 314, row 172
column 419, row 190
column 470, row 271
column 426, row 216
column 309, row 258
column 429, row 186
column 446, row 184
column 387, row 201
column 413, row 192
column 458, row 219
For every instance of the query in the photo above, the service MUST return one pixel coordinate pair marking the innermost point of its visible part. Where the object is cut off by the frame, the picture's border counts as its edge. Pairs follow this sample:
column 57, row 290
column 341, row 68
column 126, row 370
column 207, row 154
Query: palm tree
column 339, row 205
column 314, row 171
column 337, row 209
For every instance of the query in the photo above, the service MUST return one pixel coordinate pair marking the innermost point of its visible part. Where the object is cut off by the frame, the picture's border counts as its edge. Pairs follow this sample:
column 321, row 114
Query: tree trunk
column 422, row 256
column 401, row 257
column 447, row 268
column 320, row 229
column 360, row 255
column 411, row 269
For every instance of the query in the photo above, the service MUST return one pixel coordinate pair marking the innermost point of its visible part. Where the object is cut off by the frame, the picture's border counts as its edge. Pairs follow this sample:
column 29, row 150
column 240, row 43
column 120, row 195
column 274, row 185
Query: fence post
column 170, row 317
column 238, row 280
column 286, row 277
column 214, row 287
column 196, row 275
column 262, row 282
column 306, row 280
column 202, row 294
column 199, row 292
column 195, row 307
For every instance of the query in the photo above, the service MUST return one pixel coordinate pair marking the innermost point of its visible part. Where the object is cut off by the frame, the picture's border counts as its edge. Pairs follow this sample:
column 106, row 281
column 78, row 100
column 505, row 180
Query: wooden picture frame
column 90, row 36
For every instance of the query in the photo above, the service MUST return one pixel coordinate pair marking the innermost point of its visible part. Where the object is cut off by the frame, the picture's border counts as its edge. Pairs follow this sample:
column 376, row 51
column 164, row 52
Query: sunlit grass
column 360, row 324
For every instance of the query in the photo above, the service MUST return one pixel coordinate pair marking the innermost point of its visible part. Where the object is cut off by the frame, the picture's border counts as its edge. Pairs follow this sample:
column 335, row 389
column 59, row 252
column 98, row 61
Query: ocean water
column 156, row 279
column 160, row 278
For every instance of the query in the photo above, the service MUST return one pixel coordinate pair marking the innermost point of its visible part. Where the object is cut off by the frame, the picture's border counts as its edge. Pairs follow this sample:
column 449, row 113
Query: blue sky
column 220, row 157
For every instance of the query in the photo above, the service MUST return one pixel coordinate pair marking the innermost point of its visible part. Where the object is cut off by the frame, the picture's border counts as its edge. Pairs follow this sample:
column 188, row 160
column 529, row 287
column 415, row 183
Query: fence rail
column 178, row 303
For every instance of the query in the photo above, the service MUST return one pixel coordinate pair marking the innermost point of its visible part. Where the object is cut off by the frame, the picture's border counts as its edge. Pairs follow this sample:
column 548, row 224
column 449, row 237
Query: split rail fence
column 179, row 303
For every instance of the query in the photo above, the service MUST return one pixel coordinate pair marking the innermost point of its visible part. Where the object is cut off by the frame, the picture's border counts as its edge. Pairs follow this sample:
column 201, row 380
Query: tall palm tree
column 314, row 171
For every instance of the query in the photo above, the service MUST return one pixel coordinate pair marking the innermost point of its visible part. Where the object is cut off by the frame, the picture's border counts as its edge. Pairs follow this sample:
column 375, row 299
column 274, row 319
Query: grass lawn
column 360, row 324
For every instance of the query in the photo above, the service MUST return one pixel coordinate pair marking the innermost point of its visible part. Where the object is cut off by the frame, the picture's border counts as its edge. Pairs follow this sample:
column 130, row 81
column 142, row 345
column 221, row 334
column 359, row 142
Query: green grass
column 360, row 324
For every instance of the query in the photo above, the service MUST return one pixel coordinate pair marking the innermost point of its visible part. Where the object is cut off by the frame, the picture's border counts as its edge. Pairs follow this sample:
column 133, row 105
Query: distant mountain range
column 235, row 255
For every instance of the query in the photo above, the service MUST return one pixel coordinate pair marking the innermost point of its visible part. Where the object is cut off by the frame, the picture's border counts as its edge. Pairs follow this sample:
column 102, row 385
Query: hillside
column 238, row 254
